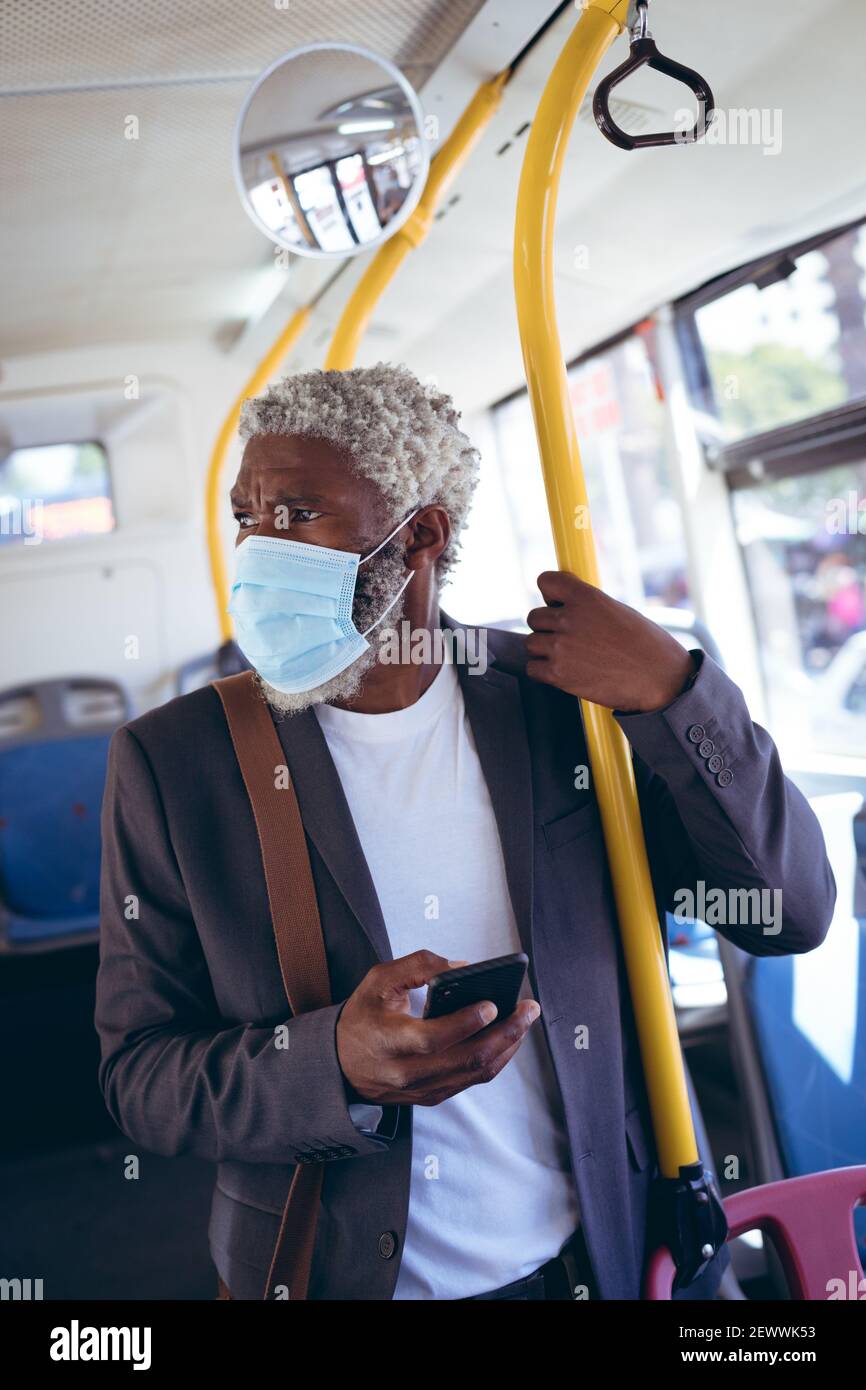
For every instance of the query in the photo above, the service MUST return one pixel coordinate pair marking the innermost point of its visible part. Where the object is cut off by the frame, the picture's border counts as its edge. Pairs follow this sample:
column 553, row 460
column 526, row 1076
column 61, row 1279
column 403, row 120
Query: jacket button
column 706, row 748
column 696, row 733
column 387, row 1244
column 725, row 777
column 715, row 763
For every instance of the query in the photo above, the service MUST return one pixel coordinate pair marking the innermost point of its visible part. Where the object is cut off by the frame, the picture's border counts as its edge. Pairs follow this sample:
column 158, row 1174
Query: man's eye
column 244, row 520
column 304, row 514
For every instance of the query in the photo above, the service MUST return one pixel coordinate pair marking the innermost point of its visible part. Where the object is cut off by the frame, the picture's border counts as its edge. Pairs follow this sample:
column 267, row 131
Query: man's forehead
column 303, row 463
column 294, row 451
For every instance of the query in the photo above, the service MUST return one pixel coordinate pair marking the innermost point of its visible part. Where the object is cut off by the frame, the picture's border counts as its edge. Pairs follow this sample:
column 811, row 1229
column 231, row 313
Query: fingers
column 542, row 654
column 480, row 1059
column 540, row 645
column 469, row 1061
column 557, row 586
column 541, row 671
column 461, row 1081
column 426, row 1036
column 391, row 980
column 546, row 619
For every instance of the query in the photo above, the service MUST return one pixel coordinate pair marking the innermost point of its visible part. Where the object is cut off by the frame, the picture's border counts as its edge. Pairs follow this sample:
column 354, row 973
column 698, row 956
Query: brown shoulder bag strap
column 297, row 929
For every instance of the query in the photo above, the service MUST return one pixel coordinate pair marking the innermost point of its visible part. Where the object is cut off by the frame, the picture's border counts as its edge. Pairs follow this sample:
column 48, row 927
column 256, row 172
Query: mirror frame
column 415, row 193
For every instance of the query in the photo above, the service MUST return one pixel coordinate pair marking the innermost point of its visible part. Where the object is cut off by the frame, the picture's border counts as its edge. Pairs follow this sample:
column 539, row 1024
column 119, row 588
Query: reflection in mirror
column 329, row 153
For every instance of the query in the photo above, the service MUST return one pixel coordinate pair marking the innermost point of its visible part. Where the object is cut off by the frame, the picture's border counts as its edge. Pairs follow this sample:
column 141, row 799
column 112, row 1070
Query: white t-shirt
column 492, row 1195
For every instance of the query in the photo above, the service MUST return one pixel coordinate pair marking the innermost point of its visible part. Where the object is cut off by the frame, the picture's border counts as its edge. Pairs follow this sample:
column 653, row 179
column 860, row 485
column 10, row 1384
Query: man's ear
column 431, row 532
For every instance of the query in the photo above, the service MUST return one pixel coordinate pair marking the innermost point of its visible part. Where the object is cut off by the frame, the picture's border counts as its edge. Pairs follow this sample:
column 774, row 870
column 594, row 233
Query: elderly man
column 449, row 816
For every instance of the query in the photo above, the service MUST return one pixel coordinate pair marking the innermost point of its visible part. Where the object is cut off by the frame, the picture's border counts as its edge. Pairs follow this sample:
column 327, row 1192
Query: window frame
column 808, row 445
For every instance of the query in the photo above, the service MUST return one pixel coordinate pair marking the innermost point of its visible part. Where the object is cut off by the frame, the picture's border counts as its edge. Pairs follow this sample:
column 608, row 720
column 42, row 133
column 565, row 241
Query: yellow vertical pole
column 292, row 199
column 612, row 771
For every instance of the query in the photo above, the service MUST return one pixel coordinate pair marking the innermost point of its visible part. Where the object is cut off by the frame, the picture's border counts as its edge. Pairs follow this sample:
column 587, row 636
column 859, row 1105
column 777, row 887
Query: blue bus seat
column 54, row 738
column 798, row 1030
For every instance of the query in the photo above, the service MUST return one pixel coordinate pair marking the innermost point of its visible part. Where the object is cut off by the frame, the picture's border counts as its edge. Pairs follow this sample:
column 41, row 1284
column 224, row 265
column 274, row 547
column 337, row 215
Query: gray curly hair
column 401, row 434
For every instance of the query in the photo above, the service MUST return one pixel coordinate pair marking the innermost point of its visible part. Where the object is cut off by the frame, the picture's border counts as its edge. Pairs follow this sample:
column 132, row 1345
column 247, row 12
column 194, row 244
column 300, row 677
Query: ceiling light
column 363, row 127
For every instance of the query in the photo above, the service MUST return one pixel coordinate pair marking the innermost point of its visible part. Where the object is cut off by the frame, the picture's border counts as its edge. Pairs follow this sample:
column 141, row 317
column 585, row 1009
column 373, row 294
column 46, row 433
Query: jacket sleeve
column 175, row 1078
column 727, row 832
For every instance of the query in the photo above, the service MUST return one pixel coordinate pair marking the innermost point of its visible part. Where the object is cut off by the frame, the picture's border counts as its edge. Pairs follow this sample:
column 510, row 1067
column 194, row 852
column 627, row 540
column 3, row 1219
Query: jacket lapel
column 328, row 822
column 495, row 713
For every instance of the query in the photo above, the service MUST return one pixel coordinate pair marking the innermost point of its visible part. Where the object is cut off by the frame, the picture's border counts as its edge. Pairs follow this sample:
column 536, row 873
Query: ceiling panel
column 109, row 240
column 83, row 44
column 106, row 238
column 648, row 225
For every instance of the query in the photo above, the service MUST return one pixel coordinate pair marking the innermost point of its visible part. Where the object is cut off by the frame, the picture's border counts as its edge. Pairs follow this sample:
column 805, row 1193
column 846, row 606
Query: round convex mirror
column 330, row 157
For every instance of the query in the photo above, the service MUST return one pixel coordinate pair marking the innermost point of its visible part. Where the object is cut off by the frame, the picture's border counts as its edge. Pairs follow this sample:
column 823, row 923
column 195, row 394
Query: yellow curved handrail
column 546, row 378
column 444, row 168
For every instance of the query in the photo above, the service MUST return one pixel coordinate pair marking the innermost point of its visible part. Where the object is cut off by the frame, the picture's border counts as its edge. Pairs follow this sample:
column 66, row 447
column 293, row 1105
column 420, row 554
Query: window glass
column 393, row 170
column 636, row 519
column 804, row 542
column 317, row 195
column 793, row 348
column 271, row 202
column 54, row 491
column 356, row 195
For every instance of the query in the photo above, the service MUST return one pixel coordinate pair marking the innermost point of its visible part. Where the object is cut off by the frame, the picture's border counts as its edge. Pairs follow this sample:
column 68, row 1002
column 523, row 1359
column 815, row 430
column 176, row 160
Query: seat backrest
column 54, row 738
column 808, row 1015
column 809, row 1221
column 798, row 1030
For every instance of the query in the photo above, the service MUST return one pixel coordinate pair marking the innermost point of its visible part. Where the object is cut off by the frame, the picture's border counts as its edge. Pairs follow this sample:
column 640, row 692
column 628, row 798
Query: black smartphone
column 499, row 980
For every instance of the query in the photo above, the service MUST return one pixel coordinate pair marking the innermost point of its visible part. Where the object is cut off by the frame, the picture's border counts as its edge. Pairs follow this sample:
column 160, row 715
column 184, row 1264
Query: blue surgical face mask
column 292, row 607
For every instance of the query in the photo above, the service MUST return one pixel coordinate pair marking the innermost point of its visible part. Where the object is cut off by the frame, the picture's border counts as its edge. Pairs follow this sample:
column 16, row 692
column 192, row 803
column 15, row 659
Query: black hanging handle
column 644, row 53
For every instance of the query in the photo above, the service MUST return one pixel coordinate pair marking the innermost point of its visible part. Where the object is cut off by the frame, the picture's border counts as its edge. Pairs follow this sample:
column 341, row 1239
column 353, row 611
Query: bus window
column 792, row 342
column 356, row 194
column 317, row 195
column 273, row 207
column 806, row 567
column 55, row 491
column 778, row 359
column 635, row 513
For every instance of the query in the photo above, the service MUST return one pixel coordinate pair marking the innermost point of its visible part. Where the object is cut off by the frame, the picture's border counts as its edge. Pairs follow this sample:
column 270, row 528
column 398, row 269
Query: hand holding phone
column 499, row 980
column 388, row 1056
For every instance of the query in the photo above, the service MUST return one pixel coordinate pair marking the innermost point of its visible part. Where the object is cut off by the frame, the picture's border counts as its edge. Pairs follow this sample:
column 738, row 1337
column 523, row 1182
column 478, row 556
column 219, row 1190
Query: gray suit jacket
column 189, row 989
